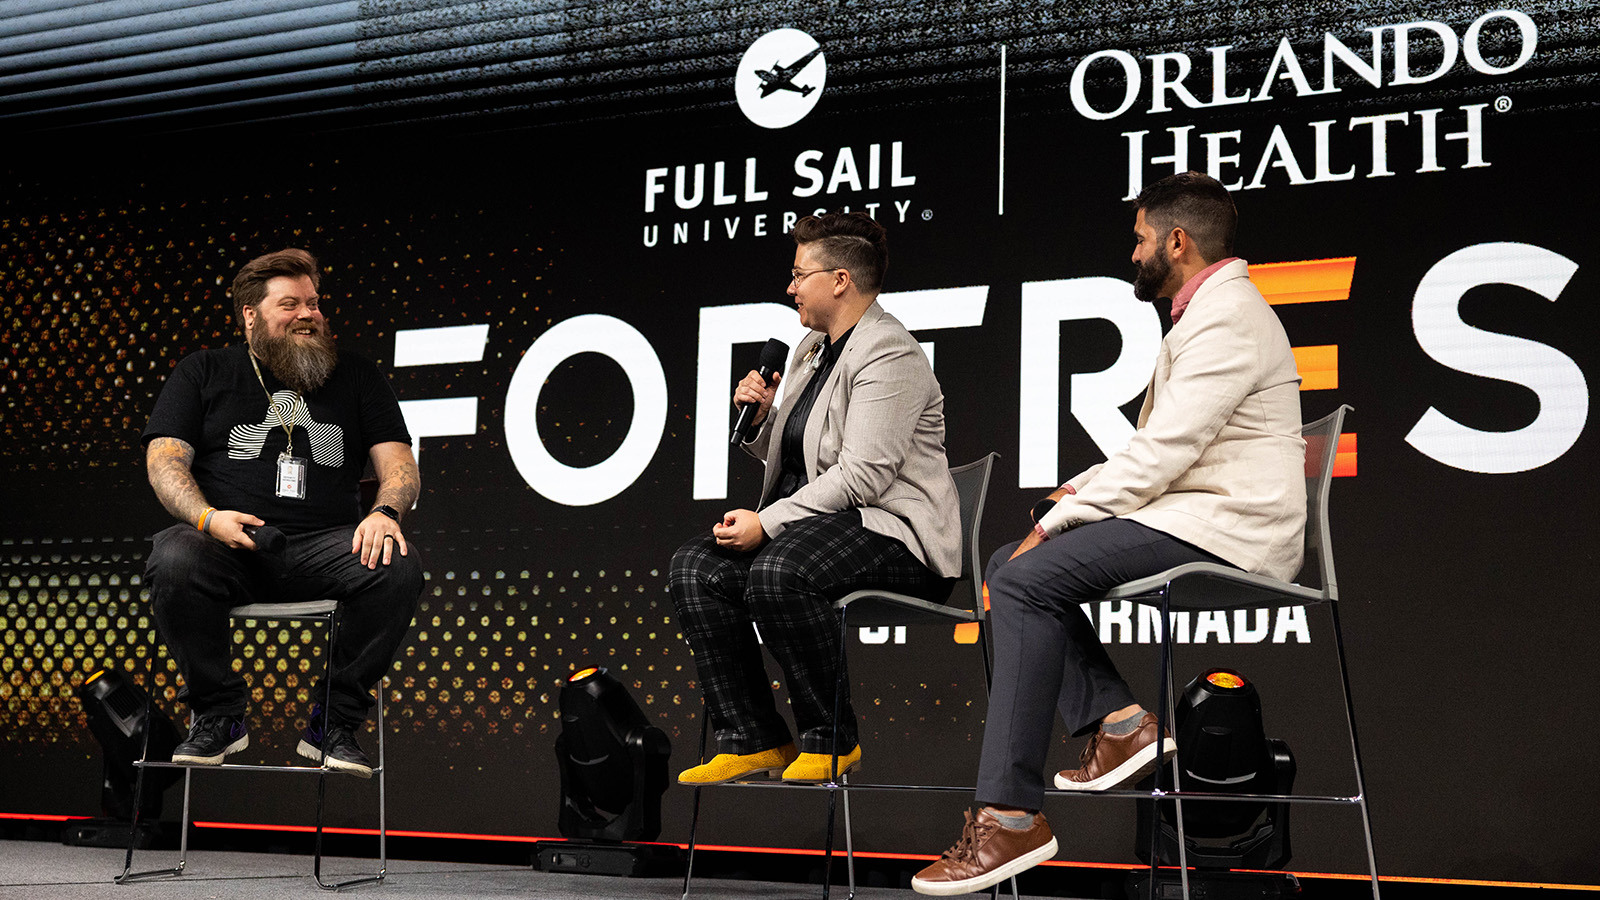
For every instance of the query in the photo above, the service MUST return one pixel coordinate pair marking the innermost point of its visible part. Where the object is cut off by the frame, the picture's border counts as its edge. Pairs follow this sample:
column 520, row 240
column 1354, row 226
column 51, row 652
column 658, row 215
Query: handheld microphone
column 268, row 539
column 772, row 357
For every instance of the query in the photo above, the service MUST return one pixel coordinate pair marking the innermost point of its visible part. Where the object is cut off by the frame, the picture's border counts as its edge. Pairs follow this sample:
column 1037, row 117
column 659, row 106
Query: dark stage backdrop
column 560, row 228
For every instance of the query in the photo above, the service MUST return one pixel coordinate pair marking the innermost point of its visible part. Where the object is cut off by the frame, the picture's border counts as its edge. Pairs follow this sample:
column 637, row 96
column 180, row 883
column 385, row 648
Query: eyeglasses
column 798, row 275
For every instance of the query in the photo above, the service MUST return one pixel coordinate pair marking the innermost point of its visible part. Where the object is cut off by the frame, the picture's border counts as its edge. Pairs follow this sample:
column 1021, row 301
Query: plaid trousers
column 786, row 589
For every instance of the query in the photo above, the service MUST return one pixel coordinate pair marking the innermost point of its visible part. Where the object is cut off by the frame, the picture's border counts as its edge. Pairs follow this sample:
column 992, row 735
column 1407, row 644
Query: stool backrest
column 1322, row 452
column 972, row 488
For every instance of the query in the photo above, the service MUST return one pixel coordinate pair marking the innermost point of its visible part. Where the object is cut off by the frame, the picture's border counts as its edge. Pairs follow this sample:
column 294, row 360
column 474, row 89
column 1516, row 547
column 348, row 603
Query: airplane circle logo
column 780, row 78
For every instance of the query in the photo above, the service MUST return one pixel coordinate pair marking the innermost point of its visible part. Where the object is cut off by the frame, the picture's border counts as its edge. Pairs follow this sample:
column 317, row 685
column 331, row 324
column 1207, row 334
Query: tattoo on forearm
column 167, row 461
column 399, row 487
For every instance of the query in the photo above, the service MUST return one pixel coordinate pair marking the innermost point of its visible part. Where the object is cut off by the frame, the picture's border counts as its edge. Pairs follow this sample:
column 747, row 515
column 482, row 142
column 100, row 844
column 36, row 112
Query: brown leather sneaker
column 1112, row 760
column 987, row 854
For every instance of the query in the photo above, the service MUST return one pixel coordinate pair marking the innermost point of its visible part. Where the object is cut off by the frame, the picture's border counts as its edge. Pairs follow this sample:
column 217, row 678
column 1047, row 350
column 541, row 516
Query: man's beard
column 1152, row 274
column 302, row 364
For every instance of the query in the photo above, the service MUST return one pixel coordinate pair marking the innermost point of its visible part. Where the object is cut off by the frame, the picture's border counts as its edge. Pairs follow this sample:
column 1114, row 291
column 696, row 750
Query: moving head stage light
column 116, row 709
column 1223, row 748
column 613, row 772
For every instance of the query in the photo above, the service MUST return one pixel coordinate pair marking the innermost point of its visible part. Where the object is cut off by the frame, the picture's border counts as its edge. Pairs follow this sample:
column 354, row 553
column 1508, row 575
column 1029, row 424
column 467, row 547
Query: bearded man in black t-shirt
column 265, row 438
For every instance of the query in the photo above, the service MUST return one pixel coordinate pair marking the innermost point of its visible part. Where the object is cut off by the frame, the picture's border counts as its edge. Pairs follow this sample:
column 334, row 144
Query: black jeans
column 1047, row 657
column 194, row 580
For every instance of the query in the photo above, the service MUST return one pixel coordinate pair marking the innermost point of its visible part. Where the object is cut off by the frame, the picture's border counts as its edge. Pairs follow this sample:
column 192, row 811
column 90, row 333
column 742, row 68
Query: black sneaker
column 210, row 739
column 344, row 754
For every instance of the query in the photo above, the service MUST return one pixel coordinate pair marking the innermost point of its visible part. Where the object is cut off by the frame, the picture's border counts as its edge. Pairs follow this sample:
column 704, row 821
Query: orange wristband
column 201, row 525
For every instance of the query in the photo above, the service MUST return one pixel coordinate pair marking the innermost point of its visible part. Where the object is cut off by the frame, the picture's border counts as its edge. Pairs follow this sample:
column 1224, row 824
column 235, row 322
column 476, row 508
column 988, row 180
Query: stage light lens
column 581, row 674
column 1225, row 679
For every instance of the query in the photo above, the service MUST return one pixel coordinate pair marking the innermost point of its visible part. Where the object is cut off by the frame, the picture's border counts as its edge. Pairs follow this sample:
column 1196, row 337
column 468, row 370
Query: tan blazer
column 874, row 441
column 1217, row 459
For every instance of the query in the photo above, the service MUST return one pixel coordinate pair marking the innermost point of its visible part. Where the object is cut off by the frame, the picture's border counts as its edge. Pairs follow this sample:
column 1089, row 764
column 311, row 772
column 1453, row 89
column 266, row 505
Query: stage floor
column 39, row 870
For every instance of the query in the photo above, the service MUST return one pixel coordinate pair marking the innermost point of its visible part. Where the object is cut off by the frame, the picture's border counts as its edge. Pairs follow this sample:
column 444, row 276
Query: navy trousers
column 1047, row 657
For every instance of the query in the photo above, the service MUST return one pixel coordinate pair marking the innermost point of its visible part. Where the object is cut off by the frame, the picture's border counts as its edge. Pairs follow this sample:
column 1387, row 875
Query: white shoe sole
column 1134, row 768
column 1020, row 864
column 338, row 765
column 235, row 747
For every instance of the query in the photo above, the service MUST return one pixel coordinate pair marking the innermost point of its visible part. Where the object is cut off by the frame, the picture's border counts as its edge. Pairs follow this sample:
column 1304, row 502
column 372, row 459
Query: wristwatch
column 388, row 510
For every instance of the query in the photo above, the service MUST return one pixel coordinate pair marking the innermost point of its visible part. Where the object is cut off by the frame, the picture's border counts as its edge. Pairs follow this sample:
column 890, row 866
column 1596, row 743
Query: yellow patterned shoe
column 816, row 768
column 726, row 767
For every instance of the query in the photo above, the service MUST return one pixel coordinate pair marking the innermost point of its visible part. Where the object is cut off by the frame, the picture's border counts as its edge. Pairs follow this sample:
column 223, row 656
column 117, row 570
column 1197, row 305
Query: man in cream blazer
column 857, row 493
column 1214, row 473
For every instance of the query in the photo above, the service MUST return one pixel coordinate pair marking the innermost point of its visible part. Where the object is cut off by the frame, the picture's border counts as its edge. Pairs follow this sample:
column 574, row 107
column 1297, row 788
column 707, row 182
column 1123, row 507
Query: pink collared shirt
column 1180, row 301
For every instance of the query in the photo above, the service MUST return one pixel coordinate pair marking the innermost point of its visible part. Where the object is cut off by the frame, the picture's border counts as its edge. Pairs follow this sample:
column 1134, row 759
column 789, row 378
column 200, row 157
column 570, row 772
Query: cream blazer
column 1217, row 459
column 874, row 441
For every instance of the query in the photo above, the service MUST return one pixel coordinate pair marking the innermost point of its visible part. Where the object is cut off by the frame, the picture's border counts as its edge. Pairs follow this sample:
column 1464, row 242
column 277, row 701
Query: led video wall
column 561, row 231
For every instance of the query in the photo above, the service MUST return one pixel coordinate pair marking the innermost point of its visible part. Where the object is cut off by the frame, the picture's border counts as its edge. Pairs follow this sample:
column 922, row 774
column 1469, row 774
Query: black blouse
column 792, row 456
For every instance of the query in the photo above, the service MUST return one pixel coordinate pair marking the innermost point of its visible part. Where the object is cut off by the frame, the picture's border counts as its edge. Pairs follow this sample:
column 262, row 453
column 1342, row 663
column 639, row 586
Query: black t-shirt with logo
column 213, row 402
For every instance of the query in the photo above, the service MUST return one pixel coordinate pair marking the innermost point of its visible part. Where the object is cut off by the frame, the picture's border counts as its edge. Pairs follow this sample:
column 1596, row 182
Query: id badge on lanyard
column 291, row 476
column 291, row 479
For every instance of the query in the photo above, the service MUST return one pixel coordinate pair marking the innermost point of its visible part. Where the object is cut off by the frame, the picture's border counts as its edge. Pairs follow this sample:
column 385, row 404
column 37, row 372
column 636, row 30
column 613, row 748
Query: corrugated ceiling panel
column 180, row 63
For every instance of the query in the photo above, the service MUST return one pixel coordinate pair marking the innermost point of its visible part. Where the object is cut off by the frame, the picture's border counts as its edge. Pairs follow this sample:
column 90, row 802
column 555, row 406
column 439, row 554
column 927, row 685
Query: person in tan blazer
column 857, row 492
column 1214, row 473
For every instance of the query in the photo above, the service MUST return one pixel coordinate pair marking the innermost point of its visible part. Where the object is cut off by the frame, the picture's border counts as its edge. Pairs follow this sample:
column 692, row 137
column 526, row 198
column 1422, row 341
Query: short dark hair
column 853, row 241
column 1198, row 204
column 250, row 285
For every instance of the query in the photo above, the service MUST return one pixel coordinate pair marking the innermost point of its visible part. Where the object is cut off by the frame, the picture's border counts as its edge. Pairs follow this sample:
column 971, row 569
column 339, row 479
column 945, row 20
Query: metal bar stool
column 326, row 611
column 1207, row 586
column 879, row 608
